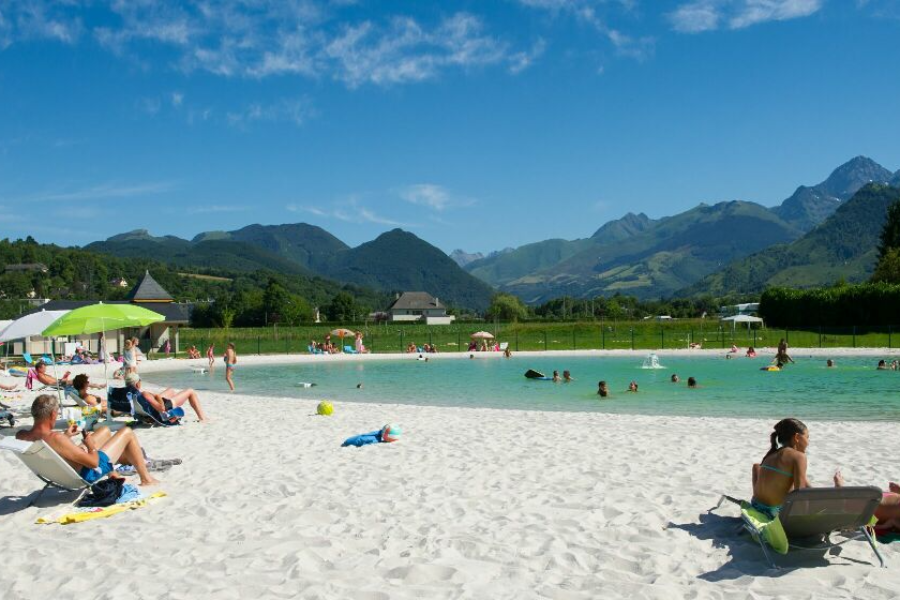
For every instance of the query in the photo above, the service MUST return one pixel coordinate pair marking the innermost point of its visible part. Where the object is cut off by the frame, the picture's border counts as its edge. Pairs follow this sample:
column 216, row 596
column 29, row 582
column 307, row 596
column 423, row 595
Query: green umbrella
column 98, row 318
column 101, row 317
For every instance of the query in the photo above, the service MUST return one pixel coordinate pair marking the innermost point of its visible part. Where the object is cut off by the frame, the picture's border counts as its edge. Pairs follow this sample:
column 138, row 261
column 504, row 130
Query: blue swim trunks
column 769, row 511
column 105, row 466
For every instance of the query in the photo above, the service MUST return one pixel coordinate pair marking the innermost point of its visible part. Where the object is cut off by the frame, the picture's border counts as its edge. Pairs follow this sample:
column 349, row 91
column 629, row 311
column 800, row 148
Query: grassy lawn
column 639, row 335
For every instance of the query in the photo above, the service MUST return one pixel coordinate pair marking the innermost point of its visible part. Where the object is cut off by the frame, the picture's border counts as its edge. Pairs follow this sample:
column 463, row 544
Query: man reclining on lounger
column 168, row 398
column 99, row 451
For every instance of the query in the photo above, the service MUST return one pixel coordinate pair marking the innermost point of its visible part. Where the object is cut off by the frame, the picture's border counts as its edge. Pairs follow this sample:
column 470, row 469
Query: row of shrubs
column 866, row 304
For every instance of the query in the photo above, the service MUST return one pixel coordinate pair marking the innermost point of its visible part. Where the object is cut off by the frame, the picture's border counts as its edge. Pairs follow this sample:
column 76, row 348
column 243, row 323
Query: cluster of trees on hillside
column 506, row 307
column 876, row 303
column 238, row 298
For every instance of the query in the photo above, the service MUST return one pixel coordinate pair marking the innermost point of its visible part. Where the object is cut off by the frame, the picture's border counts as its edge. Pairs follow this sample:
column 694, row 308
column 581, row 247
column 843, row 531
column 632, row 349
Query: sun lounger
column 47, row 465
column 143, row 410
column 26, row 356
column 809, row 516
column 31, row 378
column 350, row 350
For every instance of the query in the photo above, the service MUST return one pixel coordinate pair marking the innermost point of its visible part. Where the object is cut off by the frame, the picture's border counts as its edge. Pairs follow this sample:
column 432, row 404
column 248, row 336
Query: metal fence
column 539, row 336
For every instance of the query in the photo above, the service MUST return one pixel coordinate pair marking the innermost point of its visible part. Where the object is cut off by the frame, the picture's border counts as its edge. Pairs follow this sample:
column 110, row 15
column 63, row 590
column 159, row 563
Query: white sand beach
column 470, row 503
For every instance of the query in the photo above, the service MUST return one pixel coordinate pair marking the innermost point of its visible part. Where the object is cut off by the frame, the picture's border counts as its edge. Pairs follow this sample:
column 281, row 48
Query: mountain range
column 820, row 233
column 395, row 261
column 652, row 258
column 844, row 246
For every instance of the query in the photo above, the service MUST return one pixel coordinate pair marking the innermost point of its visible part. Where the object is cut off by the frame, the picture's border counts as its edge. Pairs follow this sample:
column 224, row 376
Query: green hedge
column 865, row 305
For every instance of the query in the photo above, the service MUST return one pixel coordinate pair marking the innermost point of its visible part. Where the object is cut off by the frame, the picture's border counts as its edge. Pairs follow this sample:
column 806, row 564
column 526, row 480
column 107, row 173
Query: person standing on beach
column 129, row 359
column 211, row 357
column 230, row 362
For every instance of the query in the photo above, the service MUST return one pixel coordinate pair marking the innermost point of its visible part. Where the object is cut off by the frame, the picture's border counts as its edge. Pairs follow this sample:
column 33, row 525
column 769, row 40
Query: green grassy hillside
column 675, row 252
column 844, row 246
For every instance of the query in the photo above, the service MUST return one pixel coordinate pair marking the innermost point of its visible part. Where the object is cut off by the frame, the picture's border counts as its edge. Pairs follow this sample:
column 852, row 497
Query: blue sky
column 477, row 125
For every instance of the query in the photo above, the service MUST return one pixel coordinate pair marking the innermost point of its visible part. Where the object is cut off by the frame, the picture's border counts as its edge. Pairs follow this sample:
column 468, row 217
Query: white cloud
column 177, row 99
column 151, row 106
column 215, row 208
column 296, row 111
column 433, row 196
column 707, row 15
column 594, row 14
column 521, row 61
column 405, row 51
column 348, row 210
column 103, row 191
column 259, row 38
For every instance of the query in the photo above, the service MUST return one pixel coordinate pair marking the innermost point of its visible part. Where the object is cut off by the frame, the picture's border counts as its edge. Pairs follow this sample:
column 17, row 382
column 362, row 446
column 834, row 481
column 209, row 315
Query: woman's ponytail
column 784, row 433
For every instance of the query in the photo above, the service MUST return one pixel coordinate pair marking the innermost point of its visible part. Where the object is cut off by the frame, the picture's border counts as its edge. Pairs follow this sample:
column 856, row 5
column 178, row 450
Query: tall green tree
column 506, row 307
column 890, row 233
column 341, row 308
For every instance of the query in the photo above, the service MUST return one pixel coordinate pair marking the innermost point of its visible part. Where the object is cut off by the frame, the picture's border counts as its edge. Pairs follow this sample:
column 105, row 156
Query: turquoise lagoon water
column 730, row 388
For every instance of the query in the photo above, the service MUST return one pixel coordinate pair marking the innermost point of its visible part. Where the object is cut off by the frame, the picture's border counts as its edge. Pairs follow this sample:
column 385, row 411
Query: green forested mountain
column 79, row 274
column 399, row 261
column 395, row 261
column 503, row 268
column 654, row 263
column 652, row 258
column 621, row 229
column 843, row 247
column 308, row 245
column 205, row 254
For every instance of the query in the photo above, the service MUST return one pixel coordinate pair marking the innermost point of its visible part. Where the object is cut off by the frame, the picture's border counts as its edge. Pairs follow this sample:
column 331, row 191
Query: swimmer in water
column 567, row 377
column 882, row 365
column 556, row 378
column 633, row 387
column 692, row 383
column 602, row 390
column 829, row 363
column 675, row 378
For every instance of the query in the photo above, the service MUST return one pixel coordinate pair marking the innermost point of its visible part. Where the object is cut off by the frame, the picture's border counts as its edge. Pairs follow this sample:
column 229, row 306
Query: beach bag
column 103, row 493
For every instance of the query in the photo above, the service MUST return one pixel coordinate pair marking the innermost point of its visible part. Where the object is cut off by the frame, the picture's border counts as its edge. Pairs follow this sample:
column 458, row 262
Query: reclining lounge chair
column 809, row 516
column 47, row 465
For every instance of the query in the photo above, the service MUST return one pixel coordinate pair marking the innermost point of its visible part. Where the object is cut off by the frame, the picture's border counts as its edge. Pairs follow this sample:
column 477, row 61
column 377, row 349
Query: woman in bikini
column 783, row 468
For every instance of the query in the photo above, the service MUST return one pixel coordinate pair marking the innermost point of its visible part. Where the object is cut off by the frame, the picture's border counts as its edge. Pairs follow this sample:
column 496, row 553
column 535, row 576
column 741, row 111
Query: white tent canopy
column 742, row 319
column 734, row 320
column 29, row 325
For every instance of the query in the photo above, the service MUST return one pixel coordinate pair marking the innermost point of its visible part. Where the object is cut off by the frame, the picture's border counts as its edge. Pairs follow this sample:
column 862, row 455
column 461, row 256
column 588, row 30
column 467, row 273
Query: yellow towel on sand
column 89, row 514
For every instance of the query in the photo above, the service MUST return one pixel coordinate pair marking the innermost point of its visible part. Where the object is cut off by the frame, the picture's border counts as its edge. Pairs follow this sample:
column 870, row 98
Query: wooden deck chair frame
column 800, row 524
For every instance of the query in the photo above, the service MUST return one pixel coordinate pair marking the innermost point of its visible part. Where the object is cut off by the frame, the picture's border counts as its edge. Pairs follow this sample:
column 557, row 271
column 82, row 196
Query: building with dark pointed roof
column 149, row 293
column 148, row 290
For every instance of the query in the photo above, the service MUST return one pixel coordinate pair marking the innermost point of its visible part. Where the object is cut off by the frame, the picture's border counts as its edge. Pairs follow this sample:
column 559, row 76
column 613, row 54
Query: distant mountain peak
column 810, row 205
column 462, row 258
column 625, row 227
column 134, row 234
column 848, row 178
